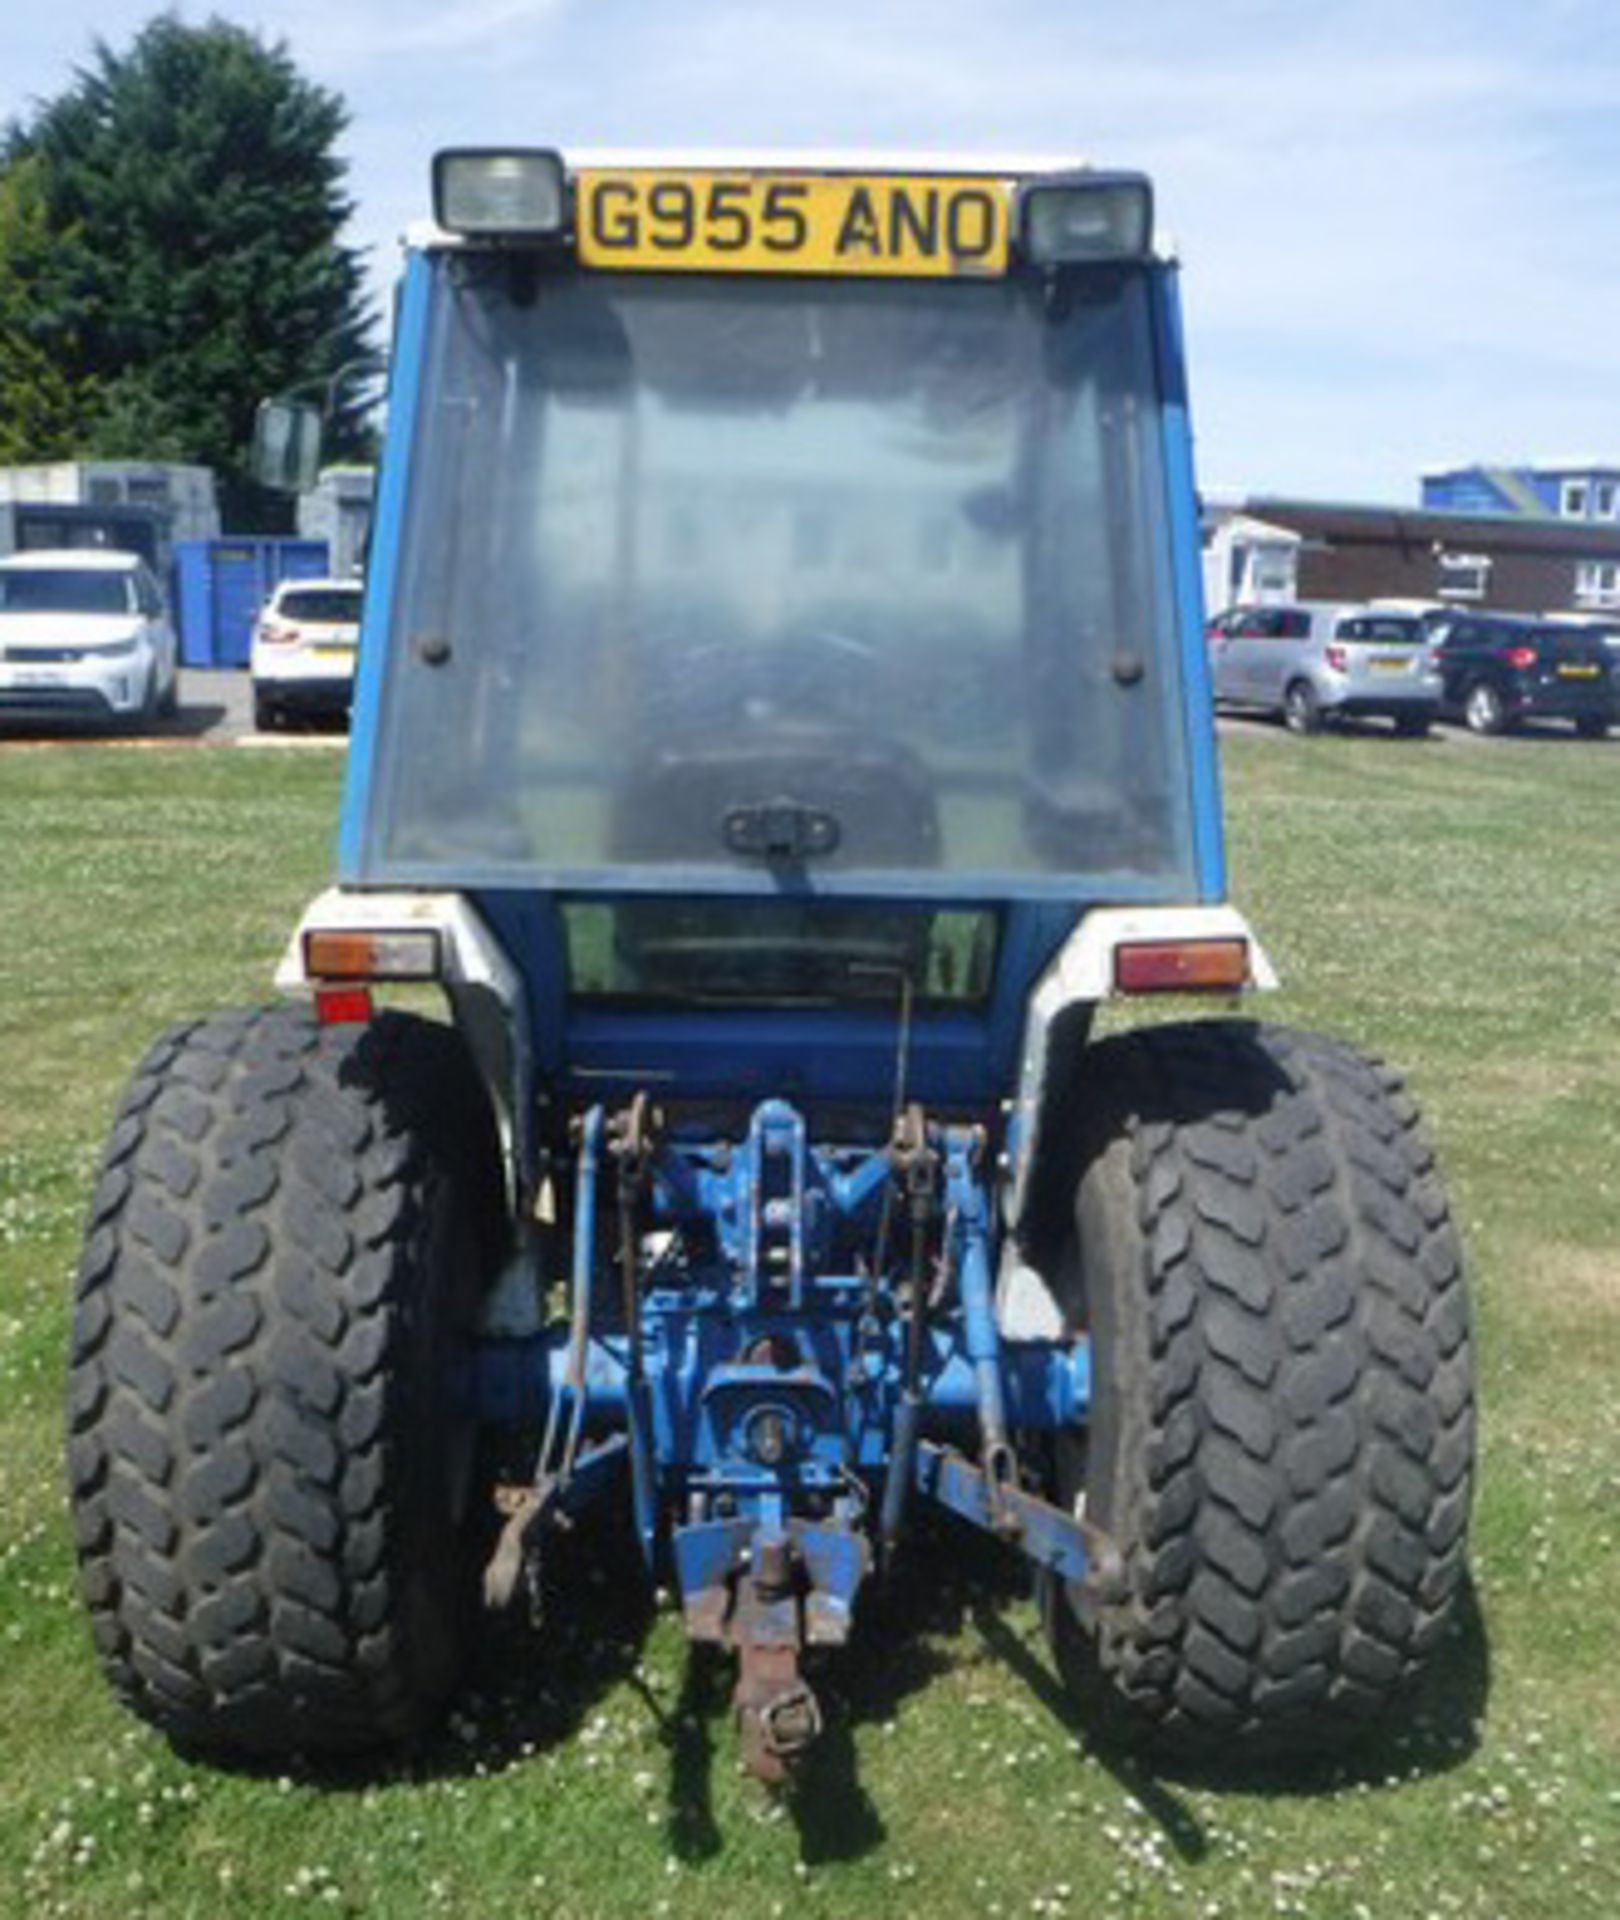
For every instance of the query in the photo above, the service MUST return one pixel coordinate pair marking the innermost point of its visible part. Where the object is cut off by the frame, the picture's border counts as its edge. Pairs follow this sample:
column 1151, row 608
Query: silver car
column 1316, row 663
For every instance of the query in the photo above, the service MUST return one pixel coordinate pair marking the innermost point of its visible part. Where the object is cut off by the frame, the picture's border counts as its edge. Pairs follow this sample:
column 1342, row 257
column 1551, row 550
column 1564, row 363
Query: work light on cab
column 1088, row 219
column 499, row 194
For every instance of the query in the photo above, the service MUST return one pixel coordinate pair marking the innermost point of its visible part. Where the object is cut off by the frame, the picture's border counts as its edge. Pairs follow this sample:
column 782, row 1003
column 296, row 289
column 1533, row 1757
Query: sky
column 1399, row 220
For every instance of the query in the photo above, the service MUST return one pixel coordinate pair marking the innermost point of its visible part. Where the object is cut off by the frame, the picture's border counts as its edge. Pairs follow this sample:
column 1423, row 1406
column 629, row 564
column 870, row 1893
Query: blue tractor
column 781, row 723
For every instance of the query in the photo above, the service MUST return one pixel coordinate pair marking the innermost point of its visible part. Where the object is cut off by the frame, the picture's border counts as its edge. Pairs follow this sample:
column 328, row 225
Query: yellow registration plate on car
column 333, row 656
column 742, row 222
column 1390, row 662
column 1577, row 673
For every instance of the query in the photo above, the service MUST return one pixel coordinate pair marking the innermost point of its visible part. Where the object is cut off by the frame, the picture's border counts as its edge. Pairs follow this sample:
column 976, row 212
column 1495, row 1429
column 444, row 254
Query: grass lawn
column 1456, row 907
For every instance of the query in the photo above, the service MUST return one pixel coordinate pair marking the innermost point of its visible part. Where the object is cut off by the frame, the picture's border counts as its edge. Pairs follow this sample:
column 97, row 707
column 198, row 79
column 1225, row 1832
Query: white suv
column 84, row 635
column 303, row 650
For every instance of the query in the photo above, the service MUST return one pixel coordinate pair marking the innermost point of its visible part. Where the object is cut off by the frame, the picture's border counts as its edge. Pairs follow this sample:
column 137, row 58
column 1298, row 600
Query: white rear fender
column 1084, row 972
column 484, row 989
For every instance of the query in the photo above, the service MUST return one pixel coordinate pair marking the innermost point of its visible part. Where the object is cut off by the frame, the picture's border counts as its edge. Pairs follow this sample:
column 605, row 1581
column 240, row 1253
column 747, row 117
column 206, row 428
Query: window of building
column 1605, row 498
column 1572, row 500
column 1273, row 573
column 1597, row 583
column 1464, row 576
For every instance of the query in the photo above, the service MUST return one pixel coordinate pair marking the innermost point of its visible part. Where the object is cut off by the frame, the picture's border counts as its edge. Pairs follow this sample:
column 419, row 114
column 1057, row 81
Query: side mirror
column 287, row 445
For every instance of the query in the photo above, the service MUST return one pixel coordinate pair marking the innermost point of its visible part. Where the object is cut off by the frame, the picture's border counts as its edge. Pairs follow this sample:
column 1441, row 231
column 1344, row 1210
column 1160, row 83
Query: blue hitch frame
column 782, row 1375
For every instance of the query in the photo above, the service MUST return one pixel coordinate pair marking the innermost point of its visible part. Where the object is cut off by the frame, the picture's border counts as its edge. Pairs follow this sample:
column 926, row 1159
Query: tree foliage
column 41, row 403
column 169, row 242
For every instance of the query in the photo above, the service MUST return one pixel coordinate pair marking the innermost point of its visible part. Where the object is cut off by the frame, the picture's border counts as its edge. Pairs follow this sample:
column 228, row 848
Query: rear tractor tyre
column 267, row 1477
column 1280, row 1445
column 1302, row 710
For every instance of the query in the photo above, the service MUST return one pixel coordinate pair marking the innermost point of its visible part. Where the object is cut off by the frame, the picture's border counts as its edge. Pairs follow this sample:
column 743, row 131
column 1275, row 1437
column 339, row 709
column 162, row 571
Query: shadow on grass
column 942, row 1581
column 526, row 1687
column 1538, row 731
column 1432, row 1730
column 530, row 1689
column 934, row 1592
column 192, row 721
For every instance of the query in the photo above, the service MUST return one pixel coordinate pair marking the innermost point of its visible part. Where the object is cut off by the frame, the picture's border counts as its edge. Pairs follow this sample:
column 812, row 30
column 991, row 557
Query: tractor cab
column 782, row 604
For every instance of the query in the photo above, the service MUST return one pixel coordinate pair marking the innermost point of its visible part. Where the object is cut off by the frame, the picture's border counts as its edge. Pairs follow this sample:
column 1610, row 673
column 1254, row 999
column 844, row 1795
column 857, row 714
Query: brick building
column 1515, row 562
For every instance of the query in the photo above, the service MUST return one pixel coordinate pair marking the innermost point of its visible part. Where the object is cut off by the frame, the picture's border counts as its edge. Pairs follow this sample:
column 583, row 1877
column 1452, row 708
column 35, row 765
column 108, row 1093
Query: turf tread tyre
column 285, row 1229
column 1282, row 1442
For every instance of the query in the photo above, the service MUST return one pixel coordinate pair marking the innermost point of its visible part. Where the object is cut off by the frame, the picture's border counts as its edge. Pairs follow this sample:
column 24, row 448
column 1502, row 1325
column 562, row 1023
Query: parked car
column 1219, row 625
column 84, row 634
column 1605, row 625
column 303, row 650
column 1498, row 669
column 1314, row 664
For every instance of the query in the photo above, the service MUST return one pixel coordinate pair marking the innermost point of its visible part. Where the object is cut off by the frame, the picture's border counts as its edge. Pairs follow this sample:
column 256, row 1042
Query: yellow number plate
column 792, row 223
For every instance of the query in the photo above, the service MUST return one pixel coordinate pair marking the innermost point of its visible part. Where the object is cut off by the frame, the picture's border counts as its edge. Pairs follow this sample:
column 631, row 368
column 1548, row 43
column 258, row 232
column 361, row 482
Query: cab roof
column 423, row 235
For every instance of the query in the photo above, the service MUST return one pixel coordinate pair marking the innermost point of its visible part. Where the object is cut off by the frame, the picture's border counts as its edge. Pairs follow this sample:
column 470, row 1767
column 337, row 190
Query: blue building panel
column 220, row 585
column 1586, row 490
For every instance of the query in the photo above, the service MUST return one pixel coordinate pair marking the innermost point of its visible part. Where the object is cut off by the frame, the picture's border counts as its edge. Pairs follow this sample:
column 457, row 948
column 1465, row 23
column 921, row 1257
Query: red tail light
column 1335, row 657
column 339, row 1004
column 274, row 634
column 1517, row 656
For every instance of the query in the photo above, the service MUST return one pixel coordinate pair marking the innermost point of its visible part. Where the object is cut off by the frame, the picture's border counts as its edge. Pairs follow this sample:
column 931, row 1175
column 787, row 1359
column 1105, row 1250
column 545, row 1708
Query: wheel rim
column 1482, row 710
column 1297, row 709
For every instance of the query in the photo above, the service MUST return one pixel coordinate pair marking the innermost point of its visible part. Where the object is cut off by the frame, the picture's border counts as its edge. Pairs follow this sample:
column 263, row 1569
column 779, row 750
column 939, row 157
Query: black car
column 1496, row 670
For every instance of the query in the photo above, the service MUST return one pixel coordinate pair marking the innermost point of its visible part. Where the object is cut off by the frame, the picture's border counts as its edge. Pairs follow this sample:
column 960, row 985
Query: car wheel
column 139, row 718
column 266, row 714
column 1483, row 710
column 1412, row 726
column 1302, row 710
column 1591, row 727
column 168, row 701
